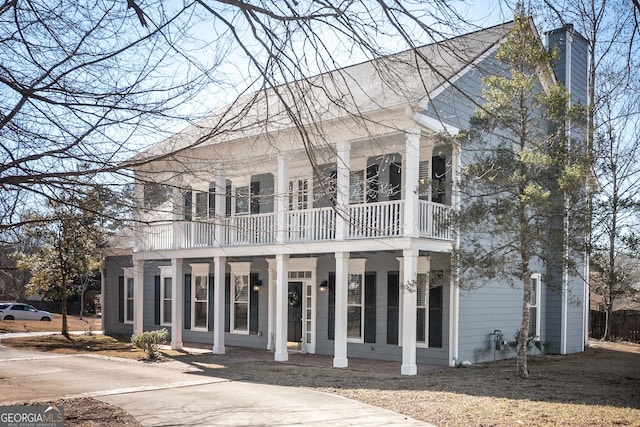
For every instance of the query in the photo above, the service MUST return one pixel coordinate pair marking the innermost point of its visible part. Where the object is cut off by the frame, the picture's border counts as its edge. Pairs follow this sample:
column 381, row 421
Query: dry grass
column 600, row 387
column 92, row 344
column 88, row 324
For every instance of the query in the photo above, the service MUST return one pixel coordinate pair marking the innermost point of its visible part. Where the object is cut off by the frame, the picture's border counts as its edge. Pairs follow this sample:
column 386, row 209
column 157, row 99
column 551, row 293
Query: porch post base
column 176, row 345
column 340, row 362
column 281, row 357
column 409, row 370
column 218, row 350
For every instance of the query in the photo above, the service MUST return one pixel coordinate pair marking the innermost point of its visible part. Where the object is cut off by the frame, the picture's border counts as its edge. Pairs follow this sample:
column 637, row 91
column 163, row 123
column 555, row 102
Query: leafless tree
column 614, row 85
column 86, row 85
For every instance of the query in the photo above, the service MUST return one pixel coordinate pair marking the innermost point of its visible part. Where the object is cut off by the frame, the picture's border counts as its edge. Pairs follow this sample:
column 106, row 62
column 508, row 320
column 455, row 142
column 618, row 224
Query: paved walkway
column 178, row 394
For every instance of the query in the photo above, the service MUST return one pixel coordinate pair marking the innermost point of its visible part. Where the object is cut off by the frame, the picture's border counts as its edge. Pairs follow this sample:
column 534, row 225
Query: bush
column 150, row 341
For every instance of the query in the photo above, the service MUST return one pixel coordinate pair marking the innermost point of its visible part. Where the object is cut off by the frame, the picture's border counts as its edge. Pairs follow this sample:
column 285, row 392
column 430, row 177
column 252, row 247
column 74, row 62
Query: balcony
column 365, row 221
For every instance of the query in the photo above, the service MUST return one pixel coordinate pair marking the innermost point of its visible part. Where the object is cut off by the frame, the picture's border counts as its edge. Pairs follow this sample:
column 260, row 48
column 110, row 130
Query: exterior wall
column 379, row 263
column 110, row 298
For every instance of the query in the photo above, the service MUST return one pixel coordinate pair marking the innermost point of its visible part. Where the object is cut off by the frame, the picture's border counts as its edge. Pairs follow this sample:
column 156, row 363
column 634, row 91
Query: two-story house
column 327, row 230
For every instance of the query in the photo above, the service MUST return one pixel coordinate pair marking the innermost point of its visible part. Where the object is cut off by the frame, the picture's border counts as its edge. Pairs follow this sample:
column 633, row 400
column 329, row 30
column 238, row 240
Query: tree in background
column 96, row 82
column 519, row 176
column 613, row 33
column 71, row 235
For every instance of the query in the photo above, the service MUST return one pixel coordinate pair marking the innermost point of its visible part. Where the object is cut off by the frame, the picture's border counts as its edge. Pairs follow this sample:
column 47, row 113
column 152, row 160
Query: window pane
column 202, row 200
column 167, row 311
column 241, row 288
column 240, row 316
column 354, row 315
column 129, row 310
column 420, row 325
column 242, row 200
column 200, row 320
column 421, row 291
column 129, row 288
column 354, row 288
column 201, row 288
column 533, row 321
column 167, row 287
column 534, row 291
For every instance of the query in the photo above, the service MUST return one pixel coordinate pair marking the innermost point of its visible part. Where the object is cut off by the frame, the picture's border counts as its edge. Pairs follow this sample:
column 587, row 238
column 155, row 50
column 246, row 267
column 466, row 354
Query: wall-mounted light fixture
column 324, row 285
column 257, row 285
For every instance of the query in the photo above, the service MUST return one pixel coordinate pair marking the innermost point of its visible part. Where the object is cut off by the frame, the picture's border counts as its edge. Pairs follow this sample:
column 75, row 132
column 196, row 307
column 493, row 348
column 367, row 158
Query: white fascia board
column 435, row 125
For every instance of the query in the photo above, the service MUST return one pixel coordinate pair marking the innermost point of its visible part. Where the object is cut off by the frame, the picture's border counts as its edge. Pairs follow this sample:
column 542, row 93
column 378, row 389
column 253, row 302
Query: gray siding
column 110, row 297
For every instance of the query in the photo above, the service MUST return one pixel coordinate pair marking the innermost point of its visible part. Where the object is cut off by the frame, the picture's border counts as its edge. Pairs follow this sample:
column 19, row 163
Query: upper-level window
column 299, row 194
column 357, row 189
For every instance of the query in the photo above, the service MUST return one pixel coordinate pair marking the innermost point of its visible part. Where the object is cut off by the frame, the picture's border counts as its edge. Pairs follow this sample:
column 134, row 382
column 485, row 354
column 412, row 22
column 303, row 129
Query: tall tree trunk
column 523, row 333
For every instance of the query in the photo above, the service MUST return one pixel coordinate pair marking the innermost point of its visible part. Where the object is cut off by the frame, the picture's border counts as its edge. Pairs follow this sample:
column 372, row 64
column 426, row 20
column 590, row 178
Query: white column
column 177, row 303
column 219, row 272
column 454, row 283
column 138, row 192
column 410, row 167
column 271, row 311
column 178, row 215
column 282, row 285
column 138, row 296
column 408, row 291
column 343, row 150
column 340, row 331
column 220, row 206
column 282, row 198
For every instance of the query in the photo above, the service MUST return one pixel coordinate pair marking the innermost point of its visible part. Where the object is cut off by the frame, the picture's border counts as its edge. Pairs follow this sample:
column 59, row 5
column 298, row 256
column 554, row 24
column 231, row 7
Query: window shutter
column 227, row 302
column 188, row 216
column 331, row 326
column 228, row 197
column 393, row 306
column 372, row 183
column 435, row 317
column 370, row 307
column 255, row 197
column 121, row 299
column 156, row 300
column 211, row 302
column 395, row 181
column 253, row 301
column 187, row 301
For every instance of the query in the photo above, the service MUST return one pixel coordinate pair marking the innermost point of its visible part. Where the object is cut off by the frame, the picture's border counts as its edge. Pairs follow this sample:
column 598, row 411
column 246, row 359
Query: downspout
column 454, row 282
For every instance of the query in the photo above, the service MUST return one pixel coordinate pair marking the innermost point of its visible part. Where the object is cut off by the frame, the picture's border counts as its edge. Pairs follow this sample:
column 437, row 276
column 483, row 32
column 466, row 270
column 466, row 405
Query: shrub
column 150, row 341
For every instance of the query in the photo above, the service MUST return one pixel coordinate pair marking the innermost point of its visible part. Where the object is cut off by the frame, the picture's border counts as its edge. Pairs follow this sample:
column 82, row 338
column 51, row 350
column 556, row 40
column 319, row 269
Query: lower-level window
column 200, row 301
column 128, row 300
column 355, row 305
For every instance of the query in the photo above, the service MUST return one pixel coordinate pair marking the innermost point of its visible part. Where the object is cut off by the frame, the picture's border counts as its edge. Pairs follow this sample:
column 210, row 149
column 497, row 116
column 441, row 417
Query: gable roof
column 395, row 81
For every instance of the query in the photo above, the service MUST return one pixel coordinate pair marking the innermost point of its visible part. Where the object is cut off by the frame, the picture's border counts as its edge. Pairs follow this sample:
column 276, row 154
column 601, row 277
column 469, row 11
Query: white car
column 18, row 311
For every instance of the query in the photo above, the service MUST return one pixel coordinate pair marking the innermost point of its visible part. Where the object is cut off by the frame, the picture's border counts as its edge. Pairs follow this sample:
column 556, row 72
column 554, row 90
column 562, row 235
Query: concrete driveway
column 177, row 394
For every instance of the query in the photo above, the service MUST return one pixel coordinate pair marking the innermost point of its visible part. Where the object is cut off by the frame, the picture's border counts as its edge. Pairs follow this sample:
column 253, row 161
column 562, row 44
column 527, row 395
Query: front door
column 294, row 315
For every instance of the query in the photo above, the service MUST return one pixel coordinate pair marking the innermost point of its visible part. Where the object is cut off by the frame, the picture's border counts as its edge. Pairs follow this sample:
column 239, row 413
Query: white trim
column 536, row 281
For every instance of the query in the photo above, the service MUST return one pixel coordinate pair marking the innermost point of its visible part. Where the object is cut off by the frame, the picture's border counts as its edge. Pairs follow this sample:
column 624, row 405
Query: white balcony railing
column 370, row 220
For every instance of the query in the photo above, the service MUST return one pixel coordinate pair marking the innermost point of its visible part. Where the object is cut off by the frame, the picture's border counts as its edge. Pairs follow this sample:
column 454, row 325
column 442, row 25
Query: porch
column 364, row 221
